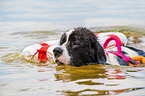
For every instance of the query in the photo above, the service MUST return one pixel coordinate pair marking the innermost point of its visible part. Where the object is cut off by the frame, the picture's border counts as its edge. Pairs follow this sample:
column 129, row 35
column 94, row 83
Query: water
column 25, row 22
column 30, row 15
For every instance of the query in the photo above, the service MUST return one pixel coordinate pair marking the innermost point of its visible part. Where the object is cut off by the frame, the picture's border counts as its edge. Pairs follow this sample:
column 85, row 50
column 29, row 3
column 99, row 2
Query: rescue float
column 42, row 52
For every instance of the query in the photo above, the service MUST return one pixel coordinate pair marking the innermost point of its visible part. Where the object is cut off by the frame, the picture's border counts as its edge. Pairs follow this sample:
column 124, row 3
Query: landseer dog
column 80, row 47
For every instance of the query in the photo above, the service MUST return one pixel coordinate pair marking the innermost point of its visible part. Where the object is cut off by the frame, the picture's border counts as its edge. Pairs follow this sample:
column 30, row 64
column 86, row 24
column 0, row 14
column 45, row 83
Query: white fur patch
column 65, row 58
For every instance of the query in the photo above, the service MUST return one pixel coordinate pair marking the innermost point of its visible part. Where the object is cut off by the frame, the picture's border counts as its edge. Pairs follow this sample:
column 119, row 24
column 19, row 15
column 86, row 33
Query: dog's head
column 79, row 47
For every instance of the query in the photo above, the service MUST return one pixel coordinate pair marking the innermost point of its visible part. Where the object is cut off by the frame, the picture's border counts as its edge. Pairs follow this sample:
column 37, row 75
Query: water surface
column 25, row 22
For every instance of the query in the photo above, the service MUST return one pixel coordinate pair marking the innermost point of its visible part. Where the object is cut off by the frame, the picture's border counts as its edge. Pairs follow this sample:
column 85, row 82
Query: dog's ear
column 99, row 54
column 63, row 39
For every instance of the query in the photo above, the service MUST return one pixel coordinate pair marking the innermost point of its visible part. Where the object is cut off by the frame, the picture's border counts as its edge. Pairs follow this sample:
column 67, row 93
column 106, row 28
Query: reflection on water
column 97, row 79
column 98, row 92
column 73, row 74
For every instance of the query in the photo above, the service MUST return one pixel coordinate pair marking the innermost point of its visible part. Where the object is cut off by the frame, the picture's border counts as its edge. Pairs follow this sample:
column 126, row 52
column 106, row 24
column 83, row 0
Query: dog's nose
column 57, row 52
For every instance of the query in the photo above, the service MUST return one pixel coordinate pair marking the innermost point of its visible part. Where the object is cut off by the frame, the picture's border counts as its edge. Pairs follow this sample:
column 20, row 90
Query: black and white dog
column 80, row 47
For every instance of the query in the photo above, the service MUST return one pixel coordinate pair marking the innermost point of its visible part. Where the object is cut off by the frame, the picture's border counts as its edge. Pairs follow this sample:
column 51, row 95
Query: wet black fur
column 83, row 48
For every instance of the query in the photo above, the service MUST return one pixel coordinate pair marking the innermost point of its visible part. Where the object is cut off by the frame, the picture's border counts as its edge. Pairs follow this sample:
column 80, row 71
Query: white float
column 42, row 51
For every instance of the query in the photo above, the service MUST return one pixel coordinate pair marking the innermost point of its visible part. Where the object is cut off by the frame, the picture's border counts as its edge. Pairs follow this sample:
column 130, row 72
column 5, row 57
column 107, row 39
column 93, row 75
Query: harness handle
column 119, row 51
column 118, row 43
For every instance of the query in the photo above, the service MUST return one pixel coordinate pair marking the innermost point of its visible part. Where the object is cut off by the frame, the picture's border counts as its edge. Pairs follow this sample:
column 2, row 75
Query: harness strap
column 111, row 35
column 119, row 51
column 96, row 34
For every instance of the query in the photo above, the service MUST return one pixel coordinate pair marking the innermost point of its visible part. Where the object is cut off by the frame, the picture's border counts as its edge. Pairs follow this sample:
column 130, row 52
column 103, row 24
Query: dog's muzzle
column 57, row 52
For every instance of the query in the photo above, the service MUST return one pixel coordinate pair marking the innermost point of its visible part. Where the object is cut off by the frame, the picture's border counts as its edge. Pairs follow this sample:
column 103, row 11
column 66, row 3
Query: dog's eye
column 75, row 43
column 63, row 39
